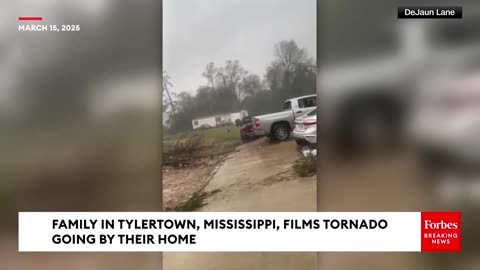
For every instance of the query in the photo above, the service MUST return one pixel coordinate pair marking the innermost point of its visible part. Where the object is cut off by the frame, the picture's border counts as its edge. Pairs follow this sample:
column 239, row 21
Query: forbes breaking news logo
column 441, row 231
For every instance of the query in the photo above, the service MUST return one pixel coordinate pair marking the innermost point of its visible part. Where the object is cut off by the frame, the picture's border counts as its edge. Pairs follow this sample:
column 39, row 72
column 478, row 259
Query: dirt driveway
column 256, row 177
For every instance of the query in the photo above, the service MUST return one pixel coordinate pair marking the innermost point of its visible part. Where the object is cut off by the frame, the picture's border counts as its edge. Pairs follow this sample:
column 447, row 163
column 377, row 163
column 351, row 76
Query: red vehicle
column 247, row 132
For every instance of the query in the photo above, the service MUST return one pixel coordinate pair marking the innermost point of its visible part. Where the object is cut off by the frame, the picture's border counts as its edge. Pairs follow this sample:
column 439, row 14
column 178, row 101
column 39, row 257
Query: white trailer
column 206, row 122
column 218, row 120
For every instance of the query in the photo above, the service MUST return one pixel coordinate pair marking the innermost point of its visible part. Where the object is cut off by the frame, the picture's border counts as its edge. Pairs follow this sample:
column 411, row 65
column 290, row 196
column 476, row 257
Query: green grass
column 220, row 134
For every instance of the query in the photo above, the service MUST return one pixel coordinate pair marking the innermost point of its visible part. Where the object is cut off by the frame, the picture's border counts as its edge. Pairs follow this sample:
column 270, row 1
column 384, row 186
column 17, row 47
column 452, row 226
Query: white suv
column 305, row 131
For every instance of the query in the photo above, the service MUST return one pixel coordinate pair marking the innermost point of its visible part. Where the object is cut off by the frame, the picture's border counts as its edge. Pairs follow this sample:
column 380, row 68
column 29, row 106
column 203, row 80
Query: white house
column 218, row 120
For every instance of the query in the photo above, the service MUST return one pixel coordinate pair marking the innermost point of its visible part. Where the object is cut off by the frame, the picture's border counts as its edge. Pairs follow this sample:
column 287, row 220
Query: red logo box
column 441, row 231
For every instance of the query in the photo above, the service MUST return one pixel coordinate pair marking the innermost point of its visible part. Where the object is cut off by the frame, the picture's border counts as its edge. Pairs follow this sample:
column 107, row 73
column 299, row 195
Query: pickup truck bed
column 278, row 126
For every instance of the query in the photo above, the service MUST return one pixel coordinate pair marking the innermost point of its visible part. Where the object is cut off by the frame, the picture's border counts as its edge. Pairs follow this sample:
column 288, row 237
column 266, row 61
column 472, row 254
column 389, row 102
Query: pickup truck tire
column 280, row 132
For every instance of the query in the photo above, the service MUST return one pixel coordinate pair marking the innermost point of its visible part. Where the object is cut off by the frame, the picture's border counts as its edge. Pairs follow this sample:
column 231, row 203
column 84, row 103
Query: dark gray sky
column 197, row 32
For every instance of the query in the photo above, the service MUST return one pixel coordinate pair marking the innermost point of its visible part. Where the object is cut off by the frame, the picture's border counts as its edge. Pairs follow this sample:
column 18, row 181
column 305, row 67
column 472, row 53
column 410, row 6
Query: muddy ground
column 257, row 177
column 179, row 185
column 194, row 166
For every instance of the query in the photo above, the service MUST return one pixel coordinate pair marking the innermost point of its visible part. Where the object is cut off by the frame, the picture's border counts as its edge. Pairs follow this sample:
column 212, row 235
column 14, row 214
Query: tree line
column 230, row 88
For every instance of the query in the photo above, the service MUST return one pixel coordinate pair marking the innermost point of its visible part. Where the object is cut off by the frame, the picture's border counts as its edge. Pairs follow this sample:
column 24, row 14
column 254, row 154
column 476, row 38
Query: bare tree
column 231, row 75
column 289, row 55
column 250, row 85
column 210, row 74
column 167, row 93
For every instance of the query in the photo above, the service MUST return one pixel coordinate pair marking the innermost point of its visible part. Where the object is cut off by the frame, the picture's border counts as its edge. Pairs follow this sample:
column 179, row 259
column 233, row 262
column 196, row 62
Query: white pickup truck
column 278, row 126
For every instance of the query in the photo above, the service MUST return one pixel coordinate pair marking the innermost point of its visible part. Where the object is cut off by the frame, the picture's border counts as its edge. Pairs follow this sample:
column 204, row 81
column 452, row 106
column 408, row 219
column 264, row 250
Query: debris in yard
column 183, row 151
column 279, row 177
column 186, row 173
column 196, row 201
column 307, row 151
column 306, row 166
